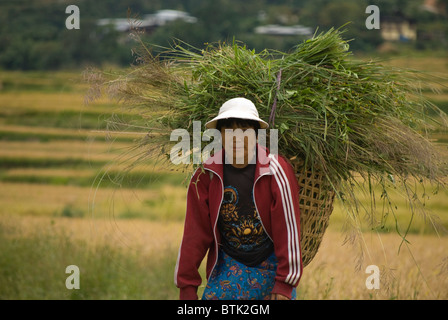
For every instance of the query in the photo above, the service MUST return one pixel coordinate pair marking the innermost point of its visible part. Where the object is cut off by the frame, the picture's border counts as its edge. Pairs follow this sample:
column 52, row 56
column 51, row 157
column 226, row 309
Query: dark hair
column 228, row 123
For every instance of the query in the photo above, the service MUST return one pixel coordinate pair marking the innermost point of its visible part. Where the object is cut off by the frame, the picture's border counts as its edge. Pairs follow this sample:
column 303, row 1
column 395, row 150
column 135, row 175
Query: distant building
column 161, row 17
column 149, row 22
column 398, row 29
column 277, row 30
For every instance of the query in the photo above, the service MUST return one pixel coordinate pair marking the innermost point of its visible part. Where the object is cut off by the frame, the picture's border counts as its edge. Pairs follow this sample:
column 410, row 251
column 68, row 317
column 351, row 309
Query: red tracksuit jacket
column 275, row 192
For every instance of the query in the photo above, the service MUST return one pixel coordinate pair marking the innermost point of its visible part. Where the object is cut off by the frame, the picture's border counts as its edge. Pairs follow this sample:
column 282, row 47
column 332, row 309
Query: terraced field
column 64, row 201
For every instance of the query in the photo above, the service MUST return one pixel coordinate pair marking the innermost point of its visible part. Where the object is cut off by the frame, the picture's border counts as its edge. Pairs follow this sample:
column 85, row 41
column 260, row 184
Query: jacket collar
column 216, row 162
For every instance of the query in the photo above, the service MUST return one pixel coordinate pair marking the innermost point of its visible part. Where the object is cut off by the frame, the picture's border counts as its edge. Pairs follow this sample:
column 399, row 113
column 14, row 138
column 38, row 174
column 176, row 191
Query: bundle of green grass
column 345, row 125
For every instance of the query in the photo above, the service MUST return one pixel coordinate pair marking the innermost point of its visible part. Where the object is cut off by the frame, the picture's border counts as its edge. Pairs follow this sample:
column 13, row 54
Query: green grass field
column 63, row 201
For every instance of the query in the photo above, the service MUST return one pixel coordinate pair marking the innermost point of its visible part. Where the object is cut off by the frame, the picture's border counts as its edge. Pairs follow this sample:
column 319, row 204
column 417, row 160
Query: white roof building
column 149, row 21
column 274, row 29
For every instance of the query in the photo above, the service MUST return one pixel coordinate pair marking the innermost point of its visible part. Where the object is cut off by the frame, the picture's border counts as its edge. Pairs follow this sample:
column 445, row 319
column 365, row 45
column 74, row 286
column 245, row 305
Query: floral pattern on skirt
column 232, row 280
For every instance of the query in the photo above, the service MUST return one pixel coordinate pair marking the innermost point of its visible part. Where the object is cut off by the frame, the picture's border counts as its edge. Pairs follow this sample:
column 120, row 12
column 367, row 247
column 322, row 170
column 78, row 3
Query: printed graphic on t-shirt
column 242, row 234
column 241, row 227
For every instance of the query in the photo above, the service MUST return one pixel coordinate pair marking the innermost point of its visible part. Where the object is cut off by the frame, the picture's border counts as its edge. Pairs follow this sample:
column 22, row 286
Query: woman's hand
column 277, row 296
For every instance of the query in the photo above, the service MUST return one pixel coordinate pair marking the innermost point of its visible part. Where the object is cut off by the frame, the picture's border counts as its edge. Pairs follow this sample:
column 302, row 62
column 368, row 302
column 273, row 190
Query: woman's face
column 239, row 144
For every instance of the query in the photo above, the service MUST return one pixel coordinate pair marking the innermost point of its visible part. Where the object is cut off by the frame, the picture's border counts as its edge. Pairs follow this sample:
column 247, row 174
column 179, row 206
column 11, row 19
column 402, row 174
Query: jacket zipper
column 219, row 209
column 255, row 202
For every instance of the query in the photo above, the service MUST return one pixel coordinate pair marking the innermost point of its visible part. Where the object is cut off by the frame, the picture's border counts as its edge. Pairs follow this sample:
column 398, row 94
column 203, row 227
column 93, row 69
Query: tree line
column 33, row 35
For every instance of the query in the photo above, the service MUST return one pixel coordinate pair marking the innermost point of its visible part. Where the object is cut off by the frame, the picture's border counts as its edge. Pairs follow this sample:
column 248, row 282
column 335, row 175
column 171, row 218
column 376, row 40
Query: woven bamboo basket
column 316, row 205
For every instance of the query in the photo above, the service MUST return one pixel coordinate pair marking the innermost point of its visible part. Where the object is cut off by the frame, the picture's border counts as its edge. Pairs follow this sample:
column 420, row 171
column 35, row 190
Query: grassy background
column 63, row 201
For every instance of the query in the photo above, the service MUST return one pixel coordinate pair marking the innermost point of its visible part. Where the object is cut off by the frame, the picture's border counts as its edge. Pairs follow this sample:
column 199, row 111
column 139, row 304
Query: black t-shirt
column 242, row 233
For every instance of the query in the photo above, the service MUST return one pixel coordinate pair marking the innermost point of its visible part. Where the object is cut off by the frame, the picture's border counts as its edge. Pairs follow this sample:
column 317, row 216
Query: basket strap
column 274, row 105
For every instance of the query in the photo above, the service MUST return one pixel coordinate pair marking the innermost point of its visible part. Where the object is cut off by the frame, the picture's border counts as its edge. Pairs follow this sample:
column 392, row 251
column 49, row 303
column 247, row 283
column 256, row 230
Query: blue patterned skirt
column 232, row 280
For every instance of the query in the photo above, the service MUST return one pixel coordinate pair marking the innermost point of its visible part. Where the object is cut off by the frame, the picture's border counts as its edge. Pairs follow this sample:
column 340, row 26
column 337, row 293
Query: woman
column 242, row 208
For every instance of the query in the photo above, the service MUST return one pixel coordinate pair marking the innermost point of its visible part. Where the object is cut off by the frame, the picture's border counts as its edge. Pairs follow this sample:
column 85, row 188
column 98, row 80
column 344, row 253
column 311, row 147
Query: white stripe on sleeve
column 291, row 226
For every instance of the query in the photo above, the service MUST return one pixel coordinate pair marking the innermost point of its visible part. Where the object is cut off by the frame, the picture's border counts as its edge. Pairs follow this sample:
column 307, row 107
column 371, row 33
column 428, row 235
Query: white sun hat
column 240, row 108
